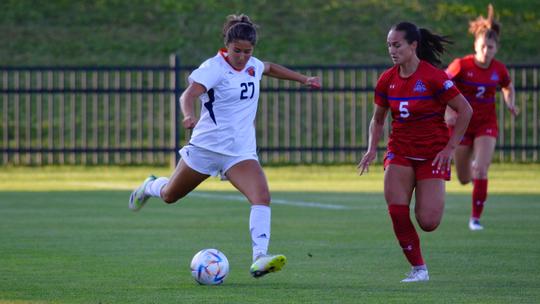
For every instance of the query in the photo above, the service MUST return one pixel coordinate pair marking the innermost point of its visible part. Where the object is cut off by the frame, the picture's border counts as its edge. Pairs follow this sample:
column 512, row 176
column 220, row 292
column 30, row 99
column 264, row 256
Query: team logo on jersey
column 251, row 71
column 448, row 84
column 419, row 87
column 495, row 76
column 392, row 86
column 470, row 74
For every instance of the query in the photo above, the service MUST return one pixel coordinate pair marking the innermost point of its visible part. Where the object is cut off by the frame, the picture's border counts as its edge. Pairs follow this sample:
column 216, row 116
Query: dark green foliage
column 61, row 32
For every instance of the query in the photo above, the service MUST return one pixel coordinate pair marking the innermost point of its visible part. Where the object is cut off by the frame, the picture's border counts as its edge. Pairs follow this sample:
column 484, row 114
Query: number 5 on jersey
column 404, row 112
column 246, row 87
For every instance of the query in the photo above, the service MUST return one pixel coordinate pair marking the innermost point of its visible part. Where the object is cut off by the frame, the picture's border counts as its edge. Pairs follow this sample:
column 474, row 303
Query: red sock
column 406, row 234
column 479, row 196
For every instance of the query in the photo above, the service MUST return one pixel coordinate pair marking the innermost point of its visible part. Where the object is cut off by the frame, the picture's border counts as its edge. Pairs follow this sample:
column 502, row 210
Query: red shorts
column 477, row 129
column 422, row 168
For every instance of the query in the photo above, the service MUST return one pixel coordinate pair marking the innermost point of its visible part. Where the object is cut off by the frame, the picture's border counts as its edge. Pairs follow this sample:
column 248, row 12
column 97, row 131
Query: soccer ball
column 209, row 267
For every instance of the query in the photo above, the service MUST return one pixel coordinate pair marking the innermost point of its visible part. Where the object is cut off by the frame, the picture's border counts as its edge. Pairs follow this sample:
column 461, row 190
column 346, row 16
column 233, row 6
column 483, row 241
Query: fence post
column 174, row 61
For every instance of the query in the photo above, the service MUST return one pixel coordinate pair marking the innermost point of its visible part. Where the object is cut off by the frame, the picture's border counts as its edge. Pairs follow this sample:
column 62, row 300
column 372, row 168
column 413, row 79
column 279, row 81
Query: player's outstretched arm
column 281, row 72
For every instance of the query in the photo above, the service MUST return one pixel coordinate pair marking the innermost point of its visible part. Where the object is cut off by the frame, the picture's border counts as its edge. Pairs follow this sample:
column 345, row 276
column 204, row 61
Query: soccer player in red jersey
column 419, row 150
column 478, row 76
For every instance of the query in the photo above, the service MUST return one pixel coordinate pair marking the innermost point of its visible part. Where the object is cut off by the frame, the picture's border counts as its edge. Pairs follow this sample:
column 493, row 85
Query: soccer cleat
column 266, row 264
column 416, row 275
column 137, row 199
column 474, row 225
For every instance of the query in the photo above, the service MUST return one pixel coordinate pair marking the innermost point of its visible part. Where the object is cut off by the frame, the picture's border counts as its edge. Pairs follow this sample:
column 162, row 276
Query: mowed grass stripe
column 87, row 247
column 503, row 178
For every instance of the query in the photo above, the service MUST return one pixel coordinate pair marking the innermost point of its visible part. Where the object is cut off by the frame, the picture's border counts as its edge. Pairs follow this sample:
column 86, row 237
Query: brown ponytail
column 486, row 27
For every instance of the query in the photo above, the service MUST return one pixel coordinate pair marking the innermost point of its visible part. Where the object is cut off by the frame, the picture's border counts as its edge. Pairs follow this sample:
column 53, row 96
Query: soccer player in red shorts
column 419, row 149
column 478, row 76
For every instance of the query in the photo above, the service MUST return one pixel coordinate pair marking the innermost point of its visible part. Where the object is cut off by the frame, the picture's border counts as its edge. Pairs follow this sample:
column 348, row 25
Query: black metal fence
column 130, row 115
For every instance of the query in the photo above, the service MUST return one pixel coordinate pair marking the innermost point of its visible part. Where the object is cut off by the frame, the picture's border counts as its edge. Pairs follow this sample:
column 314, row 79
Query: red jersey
column 417, row 103
column 479, row 85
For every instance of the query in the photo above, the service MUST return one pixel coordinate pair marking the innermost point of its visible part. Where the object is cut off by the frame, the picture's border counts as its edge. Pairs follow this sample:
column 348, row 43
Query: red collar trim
column 222, row 52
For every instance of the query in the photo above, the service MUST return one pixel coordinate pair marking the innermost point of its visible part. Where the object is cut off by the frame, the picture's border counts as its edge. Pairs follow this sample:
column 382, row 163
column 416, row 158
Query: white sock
column 259, row 227
column 154, row 188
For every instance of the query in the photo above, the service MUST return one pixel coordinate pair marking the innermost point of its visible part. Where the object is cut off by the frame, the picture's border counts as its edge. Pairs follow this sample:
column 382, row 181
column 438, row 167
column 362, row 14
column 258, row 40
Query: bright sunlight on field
column 67, row 236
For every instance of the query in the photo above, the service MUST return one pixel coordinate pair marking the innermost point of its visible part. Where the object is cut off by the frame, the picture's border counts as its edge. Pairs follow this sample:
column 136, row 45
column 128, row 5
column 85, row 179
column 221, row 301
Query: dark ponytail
column 430, row 46
column 239, row 27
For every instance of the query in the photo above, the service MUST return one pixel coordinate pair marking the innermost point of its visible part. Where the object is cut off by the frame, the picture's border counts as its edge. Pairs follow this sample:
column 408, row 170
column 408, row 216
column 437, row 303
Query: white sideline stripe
column 275, row 201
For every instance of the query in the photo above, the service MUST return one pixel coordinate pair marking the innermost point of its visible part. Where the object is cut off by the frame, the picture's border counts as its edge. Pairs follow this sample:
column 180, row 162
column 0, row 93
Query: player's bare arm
column 187, row 104
column 281, row 72
column 464, row 113
column 375, row 131
column 509, row 94
column 450, row 116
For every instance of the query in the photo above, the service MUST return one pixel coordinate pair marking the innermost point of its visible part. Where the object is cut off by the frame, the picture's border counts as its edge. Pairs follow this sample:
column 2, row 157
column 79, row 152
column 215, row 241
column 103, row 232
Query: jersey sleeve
column 208, row 74
column 259, row 68
column 444, row 88
column 454, row 68
column 381, row 90
column 505, row 76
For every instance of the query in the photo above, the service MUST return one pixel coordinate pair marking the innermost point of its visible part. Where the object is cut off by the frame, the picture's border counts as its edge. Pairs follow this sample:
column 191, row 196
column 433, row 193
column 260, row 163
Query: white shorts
column 211, row 163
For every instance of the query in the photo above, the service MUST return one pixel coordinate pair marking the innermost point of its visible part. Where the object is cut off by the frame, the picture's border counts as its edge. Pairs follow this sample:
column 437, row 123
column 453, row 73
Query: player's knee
column 480, row 172
column 464, row 180
column 265, row 198
column 464, row 176
column 260, row 198
column 429, row 225
column 428, row 221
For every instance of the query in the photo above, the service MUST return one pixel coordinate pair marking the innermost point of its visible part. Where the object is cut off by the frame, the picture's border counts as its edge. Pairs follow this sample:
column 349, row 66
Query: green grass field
column 66, row 236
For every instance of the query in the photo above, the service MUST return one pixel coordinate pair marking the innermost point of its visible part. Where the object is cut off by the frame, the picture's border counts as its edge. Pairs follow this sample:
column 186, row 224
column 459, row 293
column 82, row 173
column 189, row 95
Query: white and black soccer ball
column 209, row 267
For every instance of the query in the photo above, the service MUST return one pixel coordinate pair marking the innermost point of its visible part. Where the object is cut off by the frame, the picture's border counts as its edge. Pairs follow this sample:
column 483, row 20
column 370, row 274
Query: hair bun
column 232, row 20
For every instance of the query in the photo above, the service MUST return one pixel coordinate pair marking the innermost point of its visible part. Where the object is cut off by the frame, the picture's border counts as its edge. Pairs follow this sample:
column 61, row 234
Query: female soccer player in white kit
column 223, row 139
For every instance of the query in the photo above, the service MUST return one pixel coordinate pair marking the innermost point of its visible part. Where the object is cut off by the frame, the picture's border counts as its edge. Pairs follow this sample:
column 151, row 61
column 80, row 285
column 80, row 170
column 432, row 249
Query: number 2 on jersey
column 480, row 92
column 245, row 88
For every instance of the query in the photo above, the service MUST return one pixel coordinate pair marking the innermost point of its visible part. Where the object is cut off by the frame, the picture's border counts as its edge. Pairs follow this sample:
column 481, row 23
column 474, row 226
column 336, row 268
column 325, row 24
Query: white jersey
column 229, row 106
